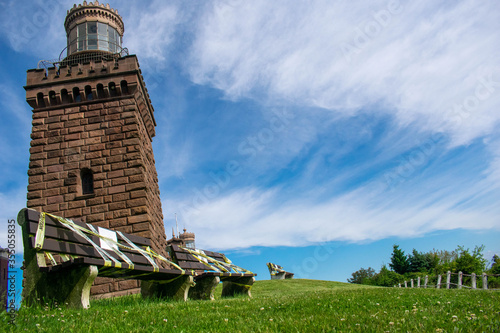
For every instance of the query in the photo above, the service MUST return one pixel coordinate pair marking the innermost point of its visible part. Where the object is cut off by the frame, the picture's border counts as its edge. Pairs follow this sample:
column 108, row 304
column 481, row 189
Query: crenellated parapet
column 96, row 12
column 94, row 81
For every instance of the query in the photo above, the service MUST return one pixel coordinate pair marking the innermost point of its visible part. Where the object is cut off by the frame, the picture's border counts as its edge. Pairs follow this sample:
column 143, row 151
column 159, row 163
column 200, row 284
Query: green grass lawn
column 280, row 306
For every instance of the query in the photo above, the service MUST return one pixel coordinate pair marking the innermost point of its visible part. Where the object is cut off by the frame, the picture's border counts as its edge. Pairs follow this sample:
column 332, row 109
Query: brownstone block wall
column 108, row 132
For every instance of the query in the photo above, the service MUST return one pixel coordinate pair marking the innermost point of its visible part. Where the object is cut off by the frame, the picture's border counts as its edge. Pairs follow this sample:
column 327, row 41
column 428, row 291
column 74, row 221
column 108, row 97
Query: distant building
column 186, row 239
column 4, row 274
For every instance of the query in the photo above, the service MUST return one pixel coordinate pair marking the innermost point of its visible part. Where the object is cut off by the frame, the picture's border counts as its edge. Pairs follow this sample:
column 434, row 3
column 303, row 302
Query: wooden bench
column 210, row 268
column 278, row 273
column 61, row 263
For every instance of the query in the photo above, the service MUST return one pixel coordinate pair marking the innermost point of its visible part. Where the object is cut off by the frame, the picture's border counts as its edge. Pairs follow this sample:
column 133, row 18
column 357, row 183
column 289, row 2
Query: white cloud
column 493, row 171
column 177, row 160
column 35, row 28
column 14, row 104
column 417, row 59
column 253, row 217
column 150, row 28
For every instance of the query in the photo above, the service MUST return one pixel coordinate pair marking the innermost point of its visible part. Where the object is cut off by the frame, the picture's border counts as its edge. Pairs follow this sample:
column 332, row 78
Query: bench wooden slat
column 60, row 233
column 191, row 265
column 63, row 234
column 185, row 257
column 34, row 216
column 177, row 249
column 144, row 272
column 224, row 275
column 85, row 250
column 187, row 261
column 215, row 255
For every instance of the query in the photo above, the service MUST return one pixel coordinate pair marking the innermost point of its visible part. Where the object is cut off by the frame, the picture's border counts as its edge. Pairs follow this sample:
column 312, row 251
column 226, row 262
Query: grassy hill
column 281, row 306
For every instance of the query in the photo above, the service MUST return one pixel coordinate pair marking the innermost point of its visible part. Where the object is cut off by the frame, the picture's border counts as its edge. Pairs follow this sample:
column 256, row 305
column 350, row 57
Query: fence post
column 448, row 279
column 473, row 280
column 406, row 286
column 418, row 282
column 459, row 280
column 426, row 281
column 439, row 281
column 411, row 283
column 485, row 281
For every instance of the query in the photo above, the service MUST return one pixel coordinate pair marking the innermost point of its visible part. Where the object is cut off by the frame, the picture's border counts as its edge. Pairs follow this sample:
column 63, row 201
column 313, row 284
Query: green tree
column 422, row 262
column 468, row 263
column 495, row 266
column 417, row 262
column 387, row 278
column 362, row 276
column 446, row 261
column 494, row 281
column 399, row 261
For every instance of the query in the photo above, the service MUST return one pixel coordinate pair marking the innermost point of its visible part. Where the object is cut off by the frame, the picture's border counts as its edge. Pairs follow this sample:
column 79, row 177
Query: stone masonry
column 96, row 117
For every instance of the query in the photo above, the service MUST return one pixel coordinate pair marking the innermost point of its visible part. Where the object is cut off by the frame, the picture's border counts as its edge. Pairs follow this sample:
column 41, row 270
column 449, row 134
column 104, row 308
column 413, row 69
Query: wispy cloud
column 150, row 28
column 258, row 217
column 417, row 59
column 36, row 28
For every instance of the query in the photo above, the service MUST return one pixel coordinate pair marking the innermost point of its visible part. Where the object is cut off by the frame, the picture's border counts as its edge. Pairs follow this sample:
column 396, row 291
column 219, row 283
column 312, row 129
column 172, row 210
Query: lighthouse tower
column 91, row 156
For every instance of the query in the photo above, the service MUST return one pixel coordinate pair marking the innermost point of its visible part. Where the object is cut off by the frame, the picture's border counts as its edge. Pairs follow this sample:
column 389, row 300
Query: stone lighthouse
column 91, row 156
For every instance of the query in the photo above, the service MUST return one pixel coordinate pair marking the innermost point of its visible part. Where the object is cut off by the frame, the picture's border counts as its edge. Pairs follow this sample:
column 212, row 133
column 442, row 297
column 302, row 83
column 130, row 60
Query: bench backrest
column 201, row 261
column 61, row 240
column 274, row 269
column 188, row 261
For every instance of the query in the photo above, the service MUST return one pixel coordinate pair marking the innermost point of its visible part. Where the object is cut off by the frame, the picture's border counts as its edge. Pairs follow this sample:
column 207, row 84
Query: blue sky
column 314, row 134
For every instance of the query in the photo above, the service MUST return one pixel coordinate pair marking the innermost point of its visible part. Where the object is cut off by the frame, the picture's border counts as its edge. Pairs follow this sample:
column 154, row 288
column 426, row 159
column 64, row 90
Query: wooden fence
column 483, row 279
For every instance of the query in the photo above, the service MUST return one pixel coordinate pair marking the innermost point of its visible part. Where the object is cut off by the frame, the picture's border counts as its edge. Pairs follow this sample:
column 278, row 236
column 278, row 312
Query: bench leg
column 278, row 276
column 204, row 288
column 240, row 286
column 70, row 287
column 176, row 289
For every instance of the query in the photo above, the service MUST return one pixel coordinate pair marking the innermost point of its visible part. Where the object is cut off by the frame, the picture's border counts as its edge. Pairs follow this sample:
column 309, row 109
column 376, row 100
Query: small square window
column 87, row 182
column 92, row 27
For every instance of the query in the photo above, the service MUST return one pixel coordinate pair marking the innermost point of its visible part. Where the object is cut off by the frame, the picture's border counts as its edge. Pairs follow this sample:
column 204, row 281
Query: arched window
column 100, row 91
column 124, row 87
column 87, row 181
column 52, row 97
column 64, row 96
column 112, row 89
column 76, row 95
column 88, row 93
column 40, row 101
